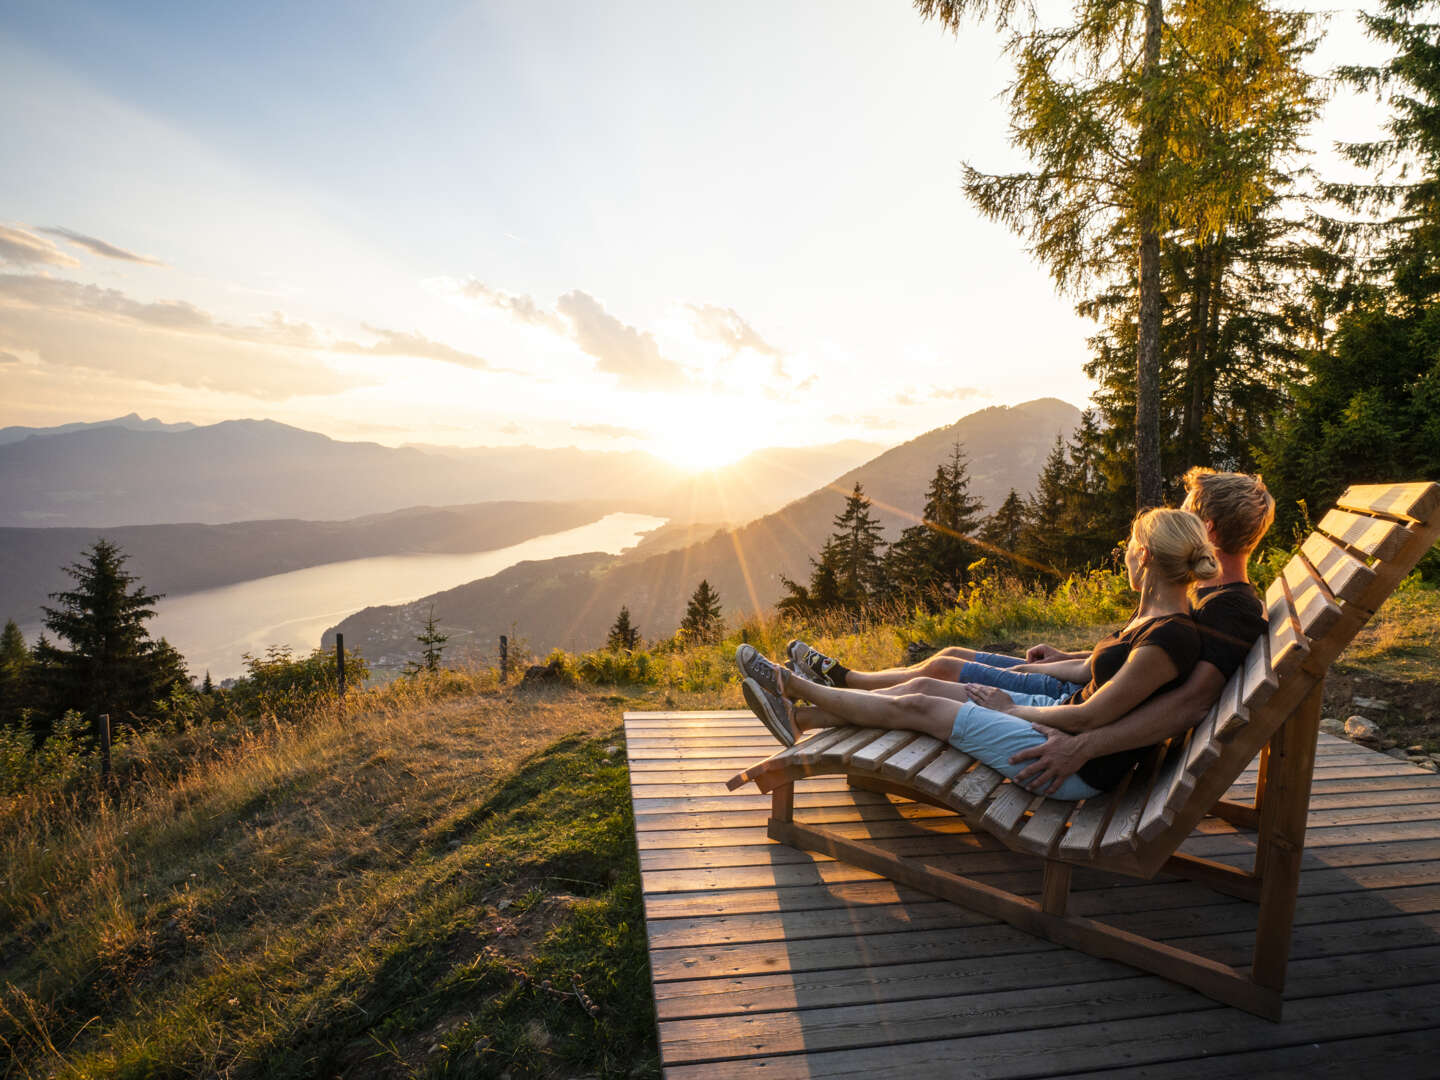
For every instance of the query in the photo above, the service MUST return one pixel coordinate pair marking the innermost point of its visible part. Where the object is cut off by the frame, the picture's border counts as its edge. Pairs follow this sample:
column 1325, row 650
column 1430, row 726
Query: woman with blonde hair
column 1168, row 552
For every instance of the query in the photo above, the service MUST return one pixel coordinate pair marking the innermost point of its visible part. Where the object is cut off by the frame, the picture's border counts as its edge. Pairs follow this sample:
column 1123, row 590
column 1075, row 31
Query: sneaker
column 774, row 711
column 754, row 666
column 810, row 663
column 795, row 670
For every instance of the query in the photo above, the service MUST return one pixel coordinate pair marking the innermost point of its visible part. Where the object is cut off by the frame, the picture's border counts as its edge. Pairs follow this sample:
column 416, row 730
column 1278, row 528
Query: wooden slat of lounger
column 840, row 753
column 1315, row 605
column 1375, row 537
column 1119, row 834
column 1288, row 647
column 1088, row 823
column 911, row 758
column 808, row 752
column 1153, row 818
column 1044, row 828
column 1007, row 809
column 1230, row 715
column 940, row 775
column 871, row 756
column 1204, row 748
column 1414, row 501
column 975, row 787
column 1348, row 577
column 1259, row 683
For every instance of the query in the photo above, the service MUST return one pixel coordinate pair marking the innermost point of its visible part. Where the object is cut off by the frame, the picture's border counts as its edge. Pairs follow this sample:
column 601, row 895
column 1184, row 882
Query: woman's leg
column 910, row 711
column 993, row 738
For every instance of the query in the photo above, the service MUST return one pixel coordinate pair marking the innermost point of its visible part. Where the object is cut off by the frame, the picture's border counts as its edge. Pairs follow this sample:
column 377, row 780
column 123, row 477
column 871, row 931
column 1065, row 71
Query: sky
column 696, row 229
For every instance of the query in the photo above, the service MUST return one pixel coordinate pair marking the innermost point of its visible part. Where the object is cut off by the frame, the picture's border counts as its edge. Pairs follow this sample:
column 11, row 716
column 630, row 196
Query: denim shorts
column 993, row 738
column 1022, row 682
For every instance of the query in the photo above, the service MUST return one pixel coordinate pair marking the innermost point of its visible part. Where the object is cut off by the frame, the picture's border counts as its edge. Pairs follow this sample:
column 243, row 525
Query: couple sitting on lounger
column 1067, row 724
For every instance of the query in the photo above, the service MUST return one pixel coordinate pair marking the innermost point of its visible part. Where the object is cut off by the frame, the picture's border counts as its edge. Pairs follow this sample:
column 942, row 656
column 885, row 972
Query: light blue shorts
column 1022, row 682
column 993, row 738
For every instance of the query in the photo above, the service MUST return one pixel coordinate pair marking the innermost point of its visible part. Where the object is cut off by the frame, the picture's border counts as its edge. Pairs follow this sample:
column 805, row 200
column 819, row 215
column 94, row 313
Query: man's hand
column 990, row 697
column 1043, row 654
column 1052, row 762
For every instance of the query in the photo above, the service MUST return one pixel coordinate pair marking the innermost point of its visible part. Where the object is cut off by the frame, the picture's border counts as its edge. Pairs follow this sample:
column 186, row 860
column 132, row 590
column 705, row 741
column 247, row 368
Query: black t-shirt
column 1179, row 637
column 1230, row 619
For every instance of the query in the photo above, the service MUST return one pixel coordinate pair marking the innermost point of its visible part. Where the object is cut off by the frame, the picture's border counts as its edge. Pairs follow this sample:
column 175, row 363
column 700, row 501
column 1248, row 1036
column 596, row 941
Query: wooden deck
column 774, row 962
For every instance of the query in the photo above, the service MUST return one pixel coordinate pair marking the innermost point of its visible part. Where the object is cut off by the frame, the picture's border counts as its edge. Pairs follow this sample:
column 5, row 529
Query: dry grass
column 206, row 922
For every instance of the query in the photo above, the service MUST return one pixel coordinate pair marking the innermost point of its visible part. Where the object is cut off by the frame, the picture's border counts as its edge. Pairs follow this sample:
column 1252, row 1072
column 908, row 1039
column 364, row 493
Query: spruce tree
column 856, row 547
column 432, row 644
column 703, row 622
column 623, row 636
column 14, row 674
column 1002, row 532
column 111, row 664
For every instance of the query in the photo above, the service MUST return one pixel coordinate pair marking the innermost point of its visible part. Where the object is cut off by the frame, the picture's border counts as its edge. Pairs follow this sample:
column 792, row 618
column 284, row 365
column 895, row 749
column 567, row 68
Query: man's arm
column 1044, row 654
column 1163, row 717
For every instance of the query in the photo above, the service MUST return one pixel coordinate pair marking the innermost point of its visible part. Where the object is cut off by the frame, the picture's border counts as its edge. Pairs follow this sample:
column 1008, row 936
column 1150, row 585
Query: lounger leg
column 782, row 803
column 1055, row 888
column 1282, row 837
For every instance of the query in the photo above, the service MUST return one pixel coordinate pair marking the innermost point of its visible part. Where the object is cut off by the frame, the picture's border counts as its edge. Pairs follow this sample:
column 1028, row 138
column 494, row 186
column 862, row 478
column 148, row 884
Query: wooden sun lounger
column 1345, row 569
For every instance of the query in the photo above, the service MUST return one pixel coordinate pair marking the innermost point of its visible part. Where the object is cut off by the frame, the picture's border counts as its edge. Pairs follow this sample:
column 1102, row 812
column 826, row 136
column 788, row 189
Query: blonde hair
column 1237, row 505
column 1180, row 552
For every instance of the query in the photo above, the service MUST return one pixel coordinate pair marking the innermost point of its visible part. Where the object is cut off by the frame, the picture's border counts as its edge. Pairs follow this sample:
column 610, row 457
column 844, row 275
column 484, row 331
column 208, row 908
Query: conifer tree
column 111, row 664
column 1042, row 541
column 1367, row 407
column 1143, row 121
column 855, row 548
column 703, row 620
column 623, row 636
column 432, row 644
column 1002, row 532
column 14, row 674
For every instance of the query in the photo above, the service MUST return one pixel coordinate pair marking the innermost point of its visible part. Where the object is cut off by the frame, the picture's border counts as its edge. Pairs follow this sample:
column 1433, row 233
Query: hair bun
column 1203, row 563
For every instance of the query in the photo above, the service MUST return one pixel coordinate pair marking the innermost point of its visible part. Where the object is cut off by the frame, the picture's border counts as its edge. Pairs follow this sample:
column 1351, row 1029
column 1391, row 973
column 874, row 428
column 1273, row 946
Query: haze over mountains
column 130, row 472
column 571, row 602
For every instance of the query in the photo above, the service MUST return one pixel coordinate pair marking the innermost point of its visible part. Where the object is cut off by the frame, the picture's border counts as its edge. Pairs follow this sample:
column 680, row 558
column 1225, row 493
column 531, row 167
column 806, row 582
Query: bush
column 279, row 684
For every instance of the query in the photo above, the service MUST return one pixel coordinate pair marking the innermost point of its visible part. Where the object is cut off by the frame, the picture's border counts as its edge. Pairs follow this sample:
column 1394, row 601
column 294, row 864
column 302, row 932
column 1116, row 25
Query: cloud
column 100, row 247
column 904, row 398
column 523, row 308
column 724, row 325
column 621, row 349
column 608, row 431
column 22, row 248
column 73, row 325
column 956, row 393
column 875, row 423
column 8, row 358
column 399, row 343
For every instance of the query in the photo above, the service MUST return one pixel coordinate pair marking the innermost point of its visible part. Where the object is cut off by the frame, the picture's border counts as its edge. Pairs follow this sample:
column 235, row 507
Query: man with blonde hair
column 1237, row 511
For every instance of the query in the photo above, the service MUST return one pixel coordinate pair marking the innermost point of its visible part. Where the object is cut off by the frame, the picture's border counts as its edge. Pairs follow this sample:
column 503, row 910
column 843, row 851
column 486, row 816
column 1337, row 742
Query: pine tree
column 111, row 664
column 856, row 548
column 207, row 687
column 702, row 620
column 1002, row 532
column 1042, row 541
column 432, row 643
column 623, row 636
column 14, row 674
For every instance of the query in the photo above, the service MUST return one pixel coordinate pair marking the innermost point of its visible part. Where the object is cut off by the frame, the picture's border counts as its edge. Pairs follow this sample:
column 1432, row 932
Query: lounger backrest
column 1325, row 593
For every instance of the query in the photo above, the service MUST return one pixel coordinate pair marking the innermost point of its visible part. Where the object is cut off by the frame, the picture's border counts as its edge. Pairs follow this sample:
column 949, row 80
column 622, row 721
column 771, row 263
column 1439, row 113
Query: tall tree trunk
column 1197, row 361
column 1148, row 485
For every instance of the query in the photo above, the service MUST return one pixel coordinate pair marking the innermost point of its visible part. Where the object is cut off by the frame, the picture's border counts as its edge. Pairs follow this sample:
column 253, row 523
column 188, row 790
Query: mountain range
column 133, row 472
column 571, row 602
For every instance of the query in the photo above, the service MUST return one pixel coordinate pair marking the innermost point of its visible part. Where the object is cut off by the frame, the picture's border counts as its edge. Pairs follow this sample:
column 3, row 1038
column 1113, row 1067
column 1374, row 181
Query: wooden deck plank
column 792, row 964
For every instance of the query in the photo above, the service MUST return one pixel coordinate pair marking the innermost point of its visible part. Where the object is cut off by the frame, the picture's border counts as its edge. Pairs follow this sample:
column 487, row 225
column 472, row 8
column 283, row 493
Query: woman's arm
column 1074, row 671
column 1147, row 668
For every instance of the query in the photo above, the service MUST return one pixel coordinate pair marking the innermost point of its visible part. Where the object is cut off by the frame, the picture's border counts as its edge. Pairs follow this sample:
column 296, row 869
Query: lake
column 214, row 628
